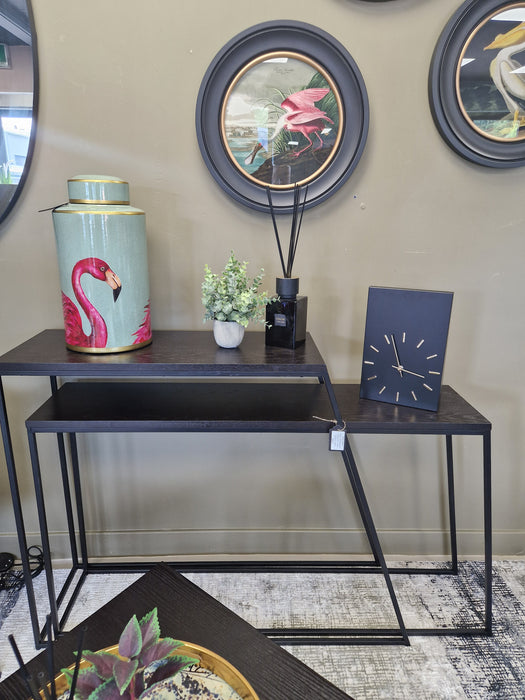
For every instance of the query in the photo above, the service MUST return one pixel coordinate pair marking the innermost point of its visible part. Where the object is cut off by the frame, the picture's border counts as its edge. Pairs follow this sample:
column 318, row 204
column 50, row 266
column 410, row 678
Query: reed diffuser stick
column 50, row 658
column 43, row 683
column 80, row 649
column 292, row 231
column 299, row 225
column 28, row 678
column 297, row 219
column 269, row 194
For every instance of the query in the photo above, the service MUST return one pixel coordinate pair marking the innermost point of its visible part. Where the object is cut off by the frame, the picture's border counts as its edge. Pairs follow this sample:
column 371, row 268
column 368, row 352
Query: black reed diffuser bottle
column 286, row 317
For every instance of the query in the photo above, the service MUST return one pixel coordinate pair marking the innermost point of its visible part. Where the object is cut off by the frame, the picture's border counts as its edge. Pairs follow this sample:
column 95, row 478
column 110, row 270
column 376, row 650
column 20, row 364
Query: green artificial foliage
column 231, row 296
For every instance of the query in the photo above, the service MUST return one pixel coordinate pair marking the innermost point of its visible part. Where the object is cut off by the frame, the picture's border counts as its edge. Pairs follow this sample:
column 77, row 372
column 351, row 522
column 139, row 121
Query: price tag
column 337, row 439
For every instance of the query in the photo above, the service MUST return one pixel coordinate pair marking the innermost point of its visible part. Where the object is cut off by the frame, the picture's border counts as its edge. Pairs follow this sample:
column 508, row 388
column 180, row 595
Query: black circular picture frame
column 282, row 103
column 477, row 83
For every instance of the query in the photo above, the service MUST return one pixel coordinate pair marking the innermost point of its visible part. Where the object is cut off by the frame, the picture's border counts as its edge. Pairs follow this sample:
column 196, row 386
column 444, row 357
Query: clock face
column 404, row 347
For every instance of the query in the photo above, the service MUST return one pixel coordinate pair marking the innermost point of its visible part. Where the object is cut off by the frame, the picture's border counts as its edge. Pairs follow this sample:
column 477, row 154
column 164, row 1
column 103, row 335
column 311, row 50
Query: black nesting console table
column 295, row 391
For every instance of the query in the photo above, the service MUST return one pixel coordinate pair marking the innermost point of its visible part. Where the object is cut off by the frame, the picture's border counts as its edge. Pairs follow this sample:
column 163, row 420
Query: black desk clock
column 404, row 348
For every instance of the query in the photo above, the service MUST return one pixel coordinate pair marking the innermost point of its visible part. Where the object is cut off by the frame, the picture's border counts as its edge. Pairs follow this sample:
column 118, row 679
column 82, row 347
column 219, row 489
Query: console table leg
column 44, row 532
column 17, row 508
column 65, row 483
column 366, row 515
column 339, row 421
column 78, row 498
column 67, row 498
column 487, row 516
column 452, row 505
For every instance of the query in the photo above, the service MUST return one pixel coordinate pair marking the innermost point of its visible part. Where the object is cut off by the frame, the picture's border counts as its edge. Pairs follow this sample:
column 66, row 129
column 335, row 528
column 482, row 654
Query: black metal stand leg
column 83, row 564
column 452, row 506
column 17, row 507
column 78, row 498
column 325, row 379
column 67, row 498
column 337, row 416
column 66, row 486
column 487, row 517
column 366, row 518
column 44, row 532
column 353, row 474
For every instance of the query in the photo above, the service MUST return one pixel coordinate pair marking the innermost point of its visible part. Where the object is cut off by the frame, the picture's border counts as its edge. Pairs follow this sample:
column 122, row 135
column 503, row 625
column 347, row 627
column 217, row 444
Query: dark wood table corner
column 187, row 613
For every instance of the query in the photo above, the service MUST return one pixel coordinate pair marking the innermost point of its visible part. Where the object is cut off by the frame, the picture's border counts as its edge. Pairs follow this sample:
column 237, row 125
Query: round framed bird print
column 281, row 119
column 477, row 82
column 282, row 104
column 404, row 346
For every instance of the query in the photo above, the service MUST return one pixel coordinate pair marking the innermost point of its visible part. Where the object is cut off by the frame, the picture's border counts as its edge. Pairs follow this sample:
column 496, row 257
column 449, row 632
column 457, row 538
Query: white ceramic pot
column 228, row 334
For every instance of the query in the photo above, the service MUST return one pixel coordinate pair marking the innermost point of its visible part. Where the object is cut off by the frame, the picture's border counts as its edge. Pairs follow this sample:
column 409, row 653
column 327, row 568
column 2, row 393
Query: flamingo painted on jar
column 75, row 335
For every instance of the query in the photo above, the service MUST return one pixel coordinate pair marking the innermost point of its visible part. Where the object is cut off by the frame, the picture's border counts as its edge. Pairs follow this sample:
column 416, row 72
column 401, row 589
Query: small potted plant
column 232, row 301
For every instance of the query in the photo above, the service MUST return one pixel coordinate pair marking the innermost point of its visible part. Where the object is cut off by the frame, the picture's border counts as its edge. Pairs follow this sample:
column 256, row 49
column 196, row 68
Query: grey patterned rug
column 431, row 668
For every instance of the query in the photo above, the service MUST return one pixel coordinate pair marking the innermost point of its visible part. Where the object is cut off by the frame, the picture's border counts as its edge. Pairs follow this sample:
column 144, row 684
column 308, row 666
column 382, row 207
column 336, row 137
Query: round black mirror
column 18, row 98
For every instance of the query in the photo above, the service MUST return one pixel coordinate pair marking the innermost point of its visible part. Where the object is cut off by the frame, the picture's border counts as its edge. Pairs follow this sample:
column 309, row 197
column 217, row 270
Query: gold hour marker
column 374, row 349
column 420, row 343
column 431, row 357
column 397, row 395
column 369, row 362
column 414, row 395
column 387, row 339
column 382, row 389
column 431, row 372
column 428, row 387
column 374, row 376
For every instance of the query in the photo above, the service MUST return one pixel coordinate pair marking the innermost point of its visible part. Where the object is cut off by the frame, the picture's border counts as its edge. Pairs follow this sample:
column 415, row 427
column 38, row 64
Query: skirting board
column 210, row 543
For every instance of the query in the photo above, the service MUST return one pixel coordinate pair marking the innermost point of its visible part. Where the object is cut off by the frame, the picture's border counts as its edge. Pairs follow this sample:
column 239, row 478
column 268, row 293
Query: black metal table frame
column 57, row 422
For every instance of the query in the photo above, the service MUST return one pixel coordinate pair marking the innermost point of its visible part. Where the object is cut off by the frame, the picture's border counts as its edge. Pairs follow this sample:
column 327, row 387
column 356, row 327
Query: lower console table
column 223, row 406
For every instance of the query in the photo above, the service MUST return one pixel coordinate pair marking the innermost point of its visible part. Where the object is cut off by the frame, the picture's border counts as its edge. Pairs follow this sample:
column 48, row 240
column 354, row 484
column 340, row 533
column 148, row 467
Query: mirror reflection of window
column 17, row 80
column 14, row 144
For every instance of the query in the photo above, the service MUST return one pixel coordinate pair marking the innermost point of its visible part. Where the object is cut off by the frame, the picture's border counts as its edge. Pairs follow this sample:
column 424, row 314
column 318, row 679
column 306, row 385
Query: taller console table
column 217, row 406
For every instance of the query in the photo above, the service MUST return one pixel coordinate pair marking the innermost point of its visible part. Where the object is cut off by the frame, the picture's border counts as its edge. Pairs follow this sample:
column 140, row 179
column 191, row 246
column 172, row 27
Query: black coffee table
column 186, row 612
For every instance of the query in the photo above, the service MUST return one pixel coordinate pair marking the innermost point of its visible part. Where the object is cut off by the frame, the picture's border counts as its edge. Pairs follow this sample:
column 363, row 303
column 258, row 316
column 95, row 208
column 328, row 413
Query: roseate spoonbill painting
column 282, row 115
column 303, row 117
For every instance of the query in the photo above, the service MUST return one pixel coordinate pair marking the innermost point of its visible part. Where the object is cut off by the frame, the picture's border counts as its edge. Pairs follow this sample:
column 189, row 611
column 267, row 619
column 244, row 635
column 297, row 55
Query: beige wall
column 119, row 81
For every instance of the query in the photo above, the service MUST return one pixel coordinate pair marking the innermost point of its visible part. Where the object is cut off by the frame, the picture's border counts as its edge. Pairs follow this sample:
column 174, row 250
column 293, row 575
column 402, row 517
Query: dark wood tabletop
column 188, row 613
column 171, row 353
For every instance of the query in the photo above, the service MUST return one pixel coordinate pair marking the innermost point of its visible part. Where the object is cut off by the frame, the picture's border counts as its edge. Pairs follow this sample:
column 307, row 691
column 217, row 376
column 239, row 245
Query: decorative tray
column 212, row 677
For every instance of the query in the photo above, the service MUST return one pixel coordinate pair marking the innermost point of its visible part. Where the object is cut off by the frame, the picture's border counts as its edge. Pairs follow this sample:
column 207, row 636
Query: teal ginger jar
column 102, row 259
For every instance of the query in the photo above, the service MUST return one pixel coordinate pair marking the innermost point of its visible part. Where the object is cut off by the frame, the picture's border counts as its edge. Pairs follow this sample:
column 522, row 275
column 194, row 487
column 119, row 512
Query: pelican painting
column 507, row 73
column 491, row 76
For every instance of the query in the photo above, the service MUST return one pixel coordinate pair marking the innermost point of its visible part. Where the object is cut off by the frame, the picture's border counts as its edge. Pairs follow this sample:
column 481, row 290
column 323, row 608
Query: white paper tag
column 337, row 439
